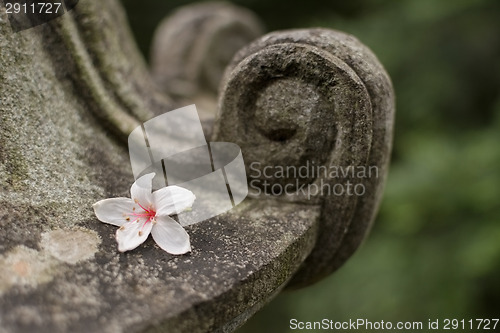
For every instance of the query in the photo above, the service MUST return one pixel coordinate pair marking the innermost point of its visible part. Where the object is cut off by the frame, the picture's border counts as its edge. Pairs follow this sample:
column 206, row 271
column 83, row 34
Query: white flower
column 148, row 212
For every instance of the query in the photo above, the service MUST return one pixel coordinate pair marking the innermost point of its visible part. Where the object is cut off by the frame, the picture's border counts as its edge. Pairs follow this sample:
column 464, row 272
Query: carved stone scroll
column 316, row 99
column 73, row 89
column 193, row 45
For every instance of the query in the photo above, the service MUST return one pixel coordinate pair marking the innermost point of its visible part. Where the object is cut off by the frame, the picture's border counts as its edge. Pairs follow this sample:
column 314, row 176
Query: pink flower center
column 149, row 214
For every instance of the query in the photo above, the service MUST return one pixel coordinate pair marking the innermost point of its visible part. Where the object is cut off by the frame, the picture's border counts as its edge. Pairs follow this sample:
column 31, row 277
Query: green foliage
column 434, row 251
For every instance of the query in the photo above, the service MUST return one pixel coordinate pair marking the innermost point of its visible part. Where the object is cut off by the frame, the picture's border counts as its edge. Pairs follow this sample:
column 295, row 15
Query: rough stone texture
column 60, row 269
column 313, row 97
column 70, row 92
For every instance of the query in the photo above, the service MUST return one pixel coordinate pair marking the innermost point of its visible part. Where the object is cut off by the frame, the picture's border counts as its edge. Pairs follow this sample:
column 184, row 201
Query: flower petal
column 172, row 200
column 170, row 236
column 132, row 234
column 141, row 190
column 114, row 211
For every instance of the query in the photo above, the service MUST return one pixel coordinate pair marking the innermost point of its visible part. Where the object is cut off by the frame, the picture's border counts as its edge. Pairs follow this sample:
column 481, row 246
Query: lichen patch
column 71, row 246
column 25, row 267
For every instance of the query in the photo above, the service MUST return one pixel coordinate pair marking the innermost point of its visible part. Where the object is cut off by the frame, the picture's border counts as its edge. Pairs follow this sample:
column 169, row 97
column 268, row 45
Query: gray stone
column 70, row 92
column 191, row 48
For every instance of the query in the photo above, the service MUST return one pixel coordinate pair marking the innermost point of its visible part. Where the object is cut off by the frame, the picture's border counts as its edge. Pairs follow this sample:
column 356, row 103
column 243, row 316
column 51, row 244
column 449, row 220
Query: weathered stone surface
column 70, row 92
column 60, row 270
column 309, row 98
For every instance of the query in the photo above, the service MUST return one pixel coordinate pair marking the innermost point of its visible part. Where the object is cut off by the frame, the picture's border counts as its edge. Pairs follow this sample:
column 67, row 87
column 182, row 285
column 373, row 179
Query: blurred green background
column 434, row 251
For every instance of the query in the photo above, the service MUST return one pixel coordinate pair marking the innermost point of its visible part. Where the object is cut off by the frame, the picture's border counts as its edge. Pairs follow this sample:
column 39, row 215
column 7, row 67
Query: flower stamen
column 137, row 202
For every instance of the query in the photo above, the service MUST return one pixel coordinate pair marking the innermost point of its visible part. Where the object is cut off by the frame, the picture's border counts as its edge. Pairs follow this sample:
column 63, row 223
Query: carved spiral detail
column 314, row 100
column 192, row 47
